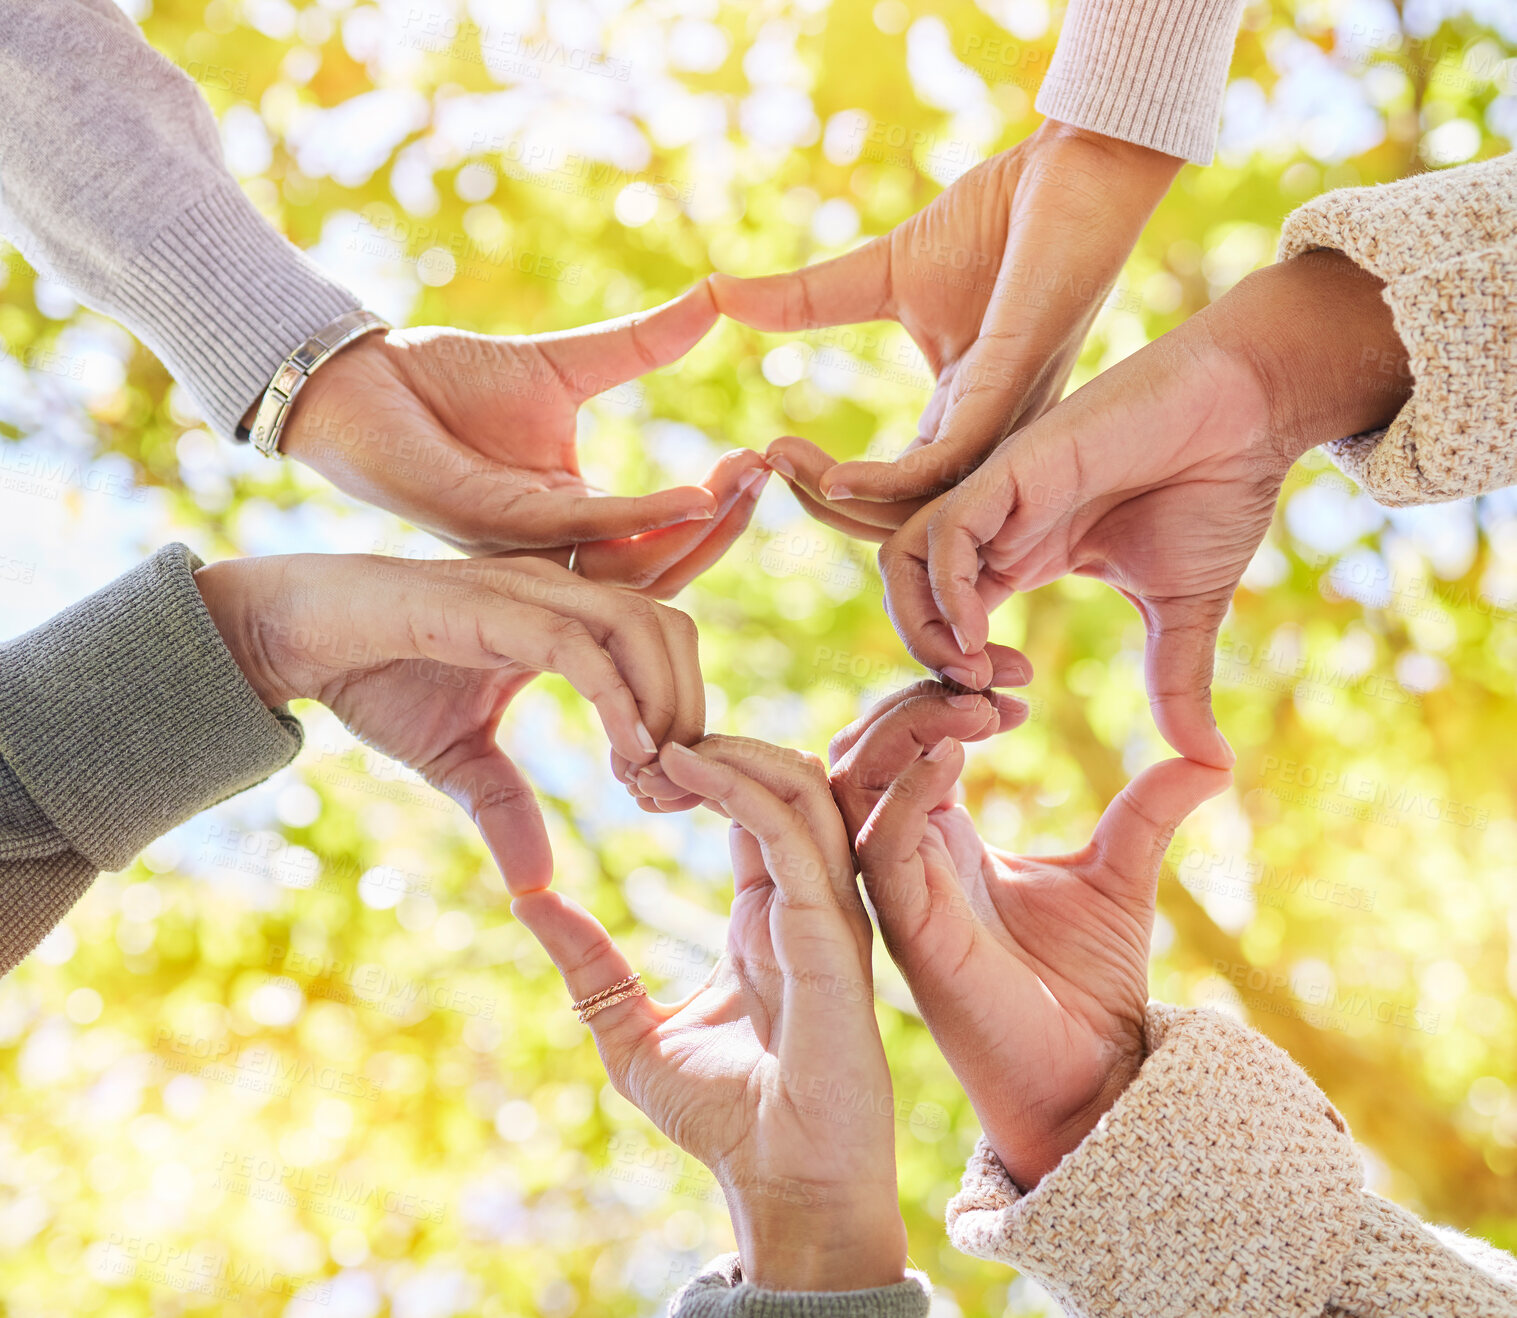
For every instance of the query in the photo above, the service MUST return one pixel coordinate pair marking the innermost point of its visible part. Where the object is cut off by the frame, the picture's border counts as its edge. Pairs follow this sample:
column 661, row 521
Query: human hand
column 997, row 282
column 740, row 1074
column 1158, row 477
column 1031, row 972
column 472, row 437
column 420, row 659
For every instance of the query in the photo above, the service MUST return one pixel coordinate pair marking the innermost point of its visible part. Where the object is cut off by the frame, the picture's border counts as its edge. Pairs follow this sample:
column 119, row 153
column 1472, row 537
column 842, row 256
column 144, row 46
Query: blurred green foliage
column 300, row 1059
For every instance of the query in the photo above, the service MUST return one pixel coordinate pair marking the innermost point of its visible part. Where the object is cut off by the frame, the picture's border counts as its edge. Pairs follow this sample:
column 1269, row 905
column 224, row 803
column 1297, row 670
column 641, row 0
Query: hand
column 997, row 282
column 1159, row 477
column 1031, row 973
column 757, row 1073
column 473, row 438
column 420, row 659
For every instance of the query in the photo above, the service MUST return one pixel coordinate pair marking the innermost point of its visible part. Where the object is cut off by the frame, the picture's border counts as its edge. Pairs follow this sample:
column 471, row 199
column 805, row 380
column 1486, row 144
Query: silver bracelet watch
column 296, row 369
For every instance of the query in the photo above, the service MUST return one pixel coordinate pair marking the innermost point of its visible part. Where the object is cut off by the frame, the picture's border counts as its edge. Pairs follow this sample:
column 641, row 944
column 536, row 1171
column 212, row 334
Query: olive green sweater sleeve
column 721, row 1292
column 119, row 719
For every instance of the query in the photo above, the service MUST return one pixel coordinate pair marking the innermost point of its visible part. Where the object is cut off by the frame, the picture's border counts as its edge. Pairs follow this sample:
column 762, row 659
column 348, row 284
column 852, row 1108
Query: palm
column 1031, row 977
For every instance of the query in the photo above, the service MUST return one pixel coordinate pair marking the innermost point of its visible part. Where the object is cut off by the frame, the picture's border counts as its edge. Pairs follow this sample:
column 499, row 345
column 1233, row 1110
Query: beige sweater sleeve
column 1145, row 71
column 1445, row 243
column 1222, row 1182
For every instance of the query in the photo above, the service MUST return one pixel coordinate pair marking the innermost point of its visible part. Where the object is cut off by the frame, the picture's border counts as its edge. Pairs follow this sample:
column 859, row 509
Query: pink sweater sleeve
column 1222, row 1182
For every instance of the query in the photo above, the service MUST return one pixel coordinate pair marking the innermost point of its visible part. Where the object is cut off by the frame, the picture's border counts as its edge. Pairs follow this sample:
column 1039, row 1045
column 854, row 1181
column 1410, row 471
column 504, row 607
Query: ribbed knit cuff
column 222, row 298
column 721, row 1292
column 1445, row 243
column 126, row 714
column 1151, row 72
column 1221, row 1182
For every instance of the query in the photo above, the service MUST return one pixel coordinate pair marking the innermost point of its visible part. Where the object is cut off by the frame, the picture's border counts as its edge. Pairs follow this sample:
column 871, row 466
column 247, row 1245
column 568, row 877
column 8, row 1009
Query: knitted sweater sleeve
column 1150, row 72
column 721, row 1292
column 1445, row 243
column 1222, row 1182
column 111, row 180
column 119, row 718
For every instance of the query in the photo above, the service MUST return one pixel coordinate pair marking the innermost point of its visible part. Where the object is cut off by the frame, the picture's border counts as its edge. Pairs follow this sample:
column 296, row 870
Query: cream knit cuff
column 1151, row 72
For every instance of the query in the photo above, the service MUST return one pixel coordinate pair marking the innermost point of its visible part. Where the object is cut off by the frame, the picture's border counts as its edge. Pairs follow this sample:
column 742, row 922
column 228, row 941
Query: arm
column 119, row 718
column 111, row 179
column 1223, row 1181
column 1445, row 245
column 748, row 1073
column 998, row 281
column 164, row 693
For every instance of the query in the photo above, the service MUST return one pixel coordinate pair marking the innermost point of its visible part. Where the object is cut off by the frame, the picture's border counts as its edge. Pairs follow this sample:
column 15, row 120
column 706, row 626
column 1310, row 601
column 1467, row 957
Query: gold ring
column 631, row 987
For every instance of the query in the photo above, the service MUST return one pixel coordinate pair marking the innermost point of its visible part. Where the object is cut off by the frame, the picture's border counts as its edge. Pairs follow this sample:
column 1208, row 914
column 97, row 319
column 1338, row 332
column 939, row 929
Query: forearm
column 794, row 1237
column 1129, row 1222
column 723, row 1290
column 119, row 719
column 111, row 180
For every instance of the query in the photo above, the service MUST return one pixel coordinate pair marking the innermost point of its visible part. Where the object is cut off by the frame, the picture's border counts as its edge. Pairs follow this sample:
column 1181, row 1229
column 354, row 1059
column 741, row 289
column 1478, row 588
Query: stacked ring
column 631, row 987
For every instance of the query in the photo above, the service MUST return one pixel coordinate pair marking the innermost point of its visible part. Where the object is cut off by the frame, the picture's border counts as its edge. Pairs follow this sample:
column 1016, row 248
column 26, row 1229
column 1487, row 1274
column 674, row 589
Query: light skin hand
column 472, row 437
column 1158, row 477
column 1031, row 972
column 739, row 1074
column 997, row 282
column 421, row 658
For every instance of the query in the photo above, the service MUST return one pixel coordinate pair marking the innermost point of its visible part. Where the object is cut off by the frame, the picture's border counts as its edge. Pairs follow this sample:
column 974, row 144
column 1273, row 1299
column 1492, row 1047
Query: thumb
column 592, row 359
column 481, row 778
column 1135, row 831
column 843, row 291
column 1178, row 661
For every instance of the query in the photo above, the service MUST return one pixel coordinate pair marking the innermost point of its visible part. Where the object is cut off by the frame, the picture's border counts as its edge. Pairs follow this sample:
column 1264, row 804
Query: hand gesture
column 1031, row 972
column 758, row 1073
column 472, row 437
column 420, row 659
column 997, row 282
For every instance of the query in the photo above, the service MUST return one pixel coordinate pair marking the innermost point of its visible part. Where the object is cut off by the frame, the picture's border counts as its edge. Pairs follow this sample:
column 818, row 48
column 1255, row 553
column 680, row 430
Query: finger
column 889, row 842
column 800, row 781
column 843, row 291
column 914, row 612
column 639, row 562
column 897, row 740
column 828, row 516
column 542, row 519
column 479, row 776
column 1010, row 713
column 1136, row 828
column 807, row 467
column 1178, row 662
column 589, row 961
column 961, row 521
column 722, row 536
column 795, row 863
column 592, row 359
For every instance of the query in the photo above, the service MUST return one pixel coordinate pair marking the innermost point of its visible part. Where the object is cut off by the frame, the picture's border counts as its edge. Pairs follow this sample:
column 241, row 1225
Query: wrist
column 1139, row 172
column 240, row 597
column 801, row 1238
column 1321, row 345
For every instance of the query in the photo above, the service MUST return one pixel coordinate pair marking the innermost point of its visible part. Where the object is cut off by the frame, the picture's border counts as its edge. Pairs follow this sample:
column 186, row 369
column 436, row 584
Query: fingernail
column 961, row 677
column 958, row 639
column 783, row 465
column 839, row 492
column 700, row 514
column 681, row 752
column 1232, row 755
column 941, row 751
column 964, row 701
column 645, row 740
column 753, row 480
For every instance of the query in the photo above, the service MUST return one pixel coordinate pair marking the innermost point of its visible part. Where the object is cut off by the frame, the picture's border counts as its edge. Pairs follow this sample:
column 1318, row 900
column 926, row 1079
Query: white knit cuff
column 222, row 298
column 1150, row 72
